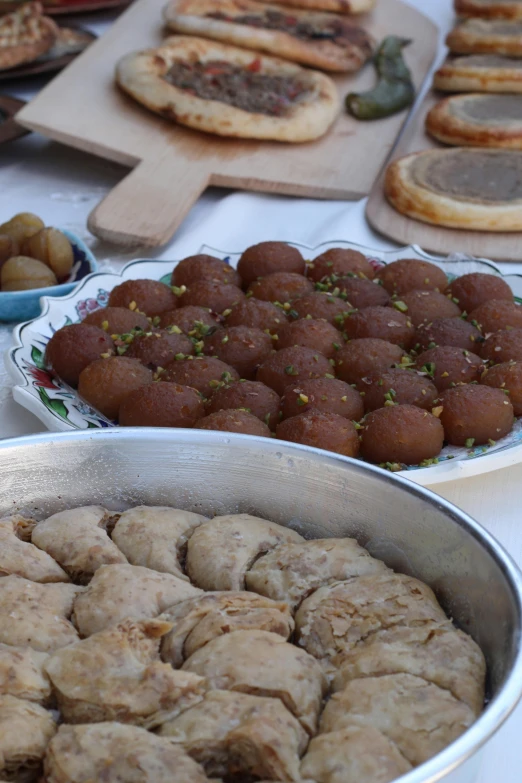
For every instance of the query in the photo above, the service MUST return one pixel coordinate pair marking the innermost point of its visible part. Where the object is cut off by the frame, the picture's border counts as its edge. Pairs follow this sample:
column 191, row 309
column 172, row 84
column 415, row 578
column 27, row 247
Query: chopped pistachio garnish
column 389, row 404
column 437, row 411
column 357, row 425
column 178, row 290
column 402, row 307
column 225, row 339
column 336, row 346
column 445, row 375
column 469, row 443
column 302, row 399
column 329, row 375
column 226, row 312
column 426, row 463
column 106, row 355
column 344, row 399
column 267, row 419
column 173, row 329
column 290, row 370
column 492, row 442
column 226, row 376
column 287, row 306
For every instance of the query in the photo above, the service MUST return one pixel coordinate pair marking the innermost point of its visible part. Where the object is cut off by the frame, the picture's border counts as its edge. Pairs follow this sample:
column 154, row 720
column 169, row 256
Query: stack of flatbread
column 478, row 183
column 27, row 36
column 234, row 66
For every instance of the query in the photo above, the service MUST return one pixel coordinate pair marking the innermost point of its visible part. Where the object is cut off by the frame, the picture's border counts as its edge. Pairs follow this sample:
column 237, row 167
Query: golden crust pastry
column 443, row 656
column 352, row 755
column 478, row 121
column 205, row 617
column 236, row 733
column 478, row 36
column 143, row 76
column 18, row 556
column 263, row 664
column 450, row 188
column 221, row 551
column 78, row 541
column 25, row 731
column 22, row 673
column 293, row 570
column 24, row 35
column 117, row 674
column 113, row 752
column 480, row 73
column 335, row 618
column 36, row 615
column 119, row 591
column 420, row 718
column 156, row 536
column 489, row 9
column 347, row 49
column 337, row 6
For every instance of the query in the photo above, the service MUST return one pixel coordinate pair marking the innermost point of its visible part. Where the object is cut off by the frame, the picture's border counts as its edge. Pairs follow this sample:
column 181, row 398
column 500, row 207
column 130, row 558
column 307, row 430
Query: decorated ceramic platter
column 60, row 408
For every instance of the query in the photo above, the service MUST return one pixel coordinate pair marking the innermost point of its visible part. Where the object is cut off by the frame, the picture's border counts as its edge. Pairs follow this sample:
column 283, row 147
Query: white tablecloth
column 63, row 185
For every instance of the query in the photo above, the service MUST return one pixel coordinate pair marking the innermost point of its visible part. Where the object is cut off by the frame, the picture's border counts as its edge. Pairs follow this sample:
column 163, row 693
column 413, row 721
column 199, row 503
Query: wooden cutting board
column 173, row 165
column 386, row 220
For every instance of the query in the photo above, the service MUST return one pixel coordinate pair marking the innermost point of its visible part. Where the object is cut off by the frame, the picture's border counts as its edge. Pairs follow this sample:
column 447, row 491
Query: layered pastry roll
column 25, row 731
column 205, row 617
column 117, row 674
column 36, row 615
column 221, row 551
column 156, row 536
column 119, row 591
column 22, row 673
column 78, row 541
column 18, row 556
column 113, row 752
column 263, row 664
column 239, row 734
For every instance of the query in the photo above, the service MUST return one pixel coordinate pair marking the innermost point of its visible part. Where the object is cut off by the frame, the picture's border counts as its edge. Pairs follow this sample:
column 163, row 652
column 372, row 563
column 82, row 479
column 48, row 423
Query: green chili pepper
column 395, row 89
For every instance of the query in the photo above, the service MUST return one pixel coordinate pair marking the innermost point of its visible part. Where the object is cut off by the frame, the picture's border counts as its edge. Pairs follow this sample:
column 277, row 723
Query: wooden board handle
column 150, row 203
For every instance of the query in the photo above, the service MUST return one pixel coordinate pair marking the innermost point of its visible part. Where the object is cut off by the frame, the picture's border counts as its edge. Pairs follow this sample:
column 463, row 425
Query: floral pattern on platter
column 61, row 408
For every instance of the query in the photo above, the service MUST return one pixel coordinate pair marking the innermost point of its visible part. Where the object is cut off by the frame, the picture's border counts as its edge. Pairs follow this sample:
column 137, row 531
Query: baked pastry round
column 459, row 188
column 479, row 36
column 478, row 121
column 489, row 9
column 480, row 73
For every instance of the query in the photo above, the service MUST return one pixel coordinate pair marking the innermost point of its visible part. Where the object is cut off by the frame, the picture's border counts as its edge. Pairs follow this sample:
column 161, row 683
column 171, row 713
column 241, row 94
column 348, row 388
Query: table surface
column 63, row 185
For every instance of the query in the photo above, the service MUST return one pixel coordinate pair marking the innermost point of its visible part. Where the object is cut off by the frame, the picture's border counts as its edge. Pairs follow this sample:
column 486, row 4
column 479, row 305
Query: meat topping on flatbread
column 243, row 88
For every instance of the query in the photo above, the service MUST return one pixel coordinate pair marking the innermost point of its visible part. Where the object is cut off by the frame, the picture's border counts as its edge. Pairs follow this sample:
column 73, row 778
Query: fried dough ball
column 425, row 306
column 410, row 274
column 9, row 247
column 250, row 396
column 473, row 415
column 257, row 314
column 157, row 349
column 401, row 434
column 241, row 347
column 328, row 395
column 106, row 382
column 148, row 296
column 322, row 431
column 22, row 225
column 340, row 262
column 161, row 405
column 361, row 293
column 476, row 288
column 73, row 347
column 192, row 320
column 383, row 323
column 447, row 331
column 503, row 346
column 321, row 305
column 448, row 366
column 507, row 376
column 280, row 287
column 496, row 314
column 117, row 320
column 203, row 267
column 214, row 294
column 234, row 421
column 318, row 335
column 203, row 373
column 291, row 366
column 22, row 273
column 53, row 249
column 365, row 357
column 402, row 387
column 266, row 258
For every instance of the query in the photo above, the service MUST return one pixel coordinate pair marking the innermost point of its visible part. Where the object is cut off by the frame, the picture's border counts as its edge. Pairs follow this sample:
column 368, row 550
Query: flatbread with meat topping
column 480, row 73
column 337, row 6
column 230, row 92
column 326, row 41
column 24, row 35
column 480, row 36
column 490, row 9
column 477, row 120
column 463, row 187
